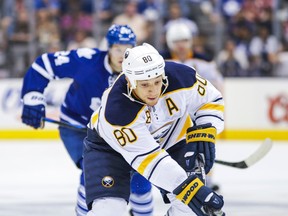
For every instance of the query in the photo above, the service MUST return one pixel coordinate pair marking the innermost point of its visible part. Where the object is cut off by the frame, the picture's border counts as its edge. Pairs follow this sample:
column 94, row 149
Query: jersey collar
column 190, row 55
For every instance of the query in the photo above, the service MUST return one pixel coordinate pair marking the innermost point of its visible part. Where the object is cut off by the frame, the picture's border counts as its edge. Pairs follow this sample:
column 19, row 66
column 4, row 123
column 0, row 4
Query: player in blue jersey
column 144, row 123
column 92, row 72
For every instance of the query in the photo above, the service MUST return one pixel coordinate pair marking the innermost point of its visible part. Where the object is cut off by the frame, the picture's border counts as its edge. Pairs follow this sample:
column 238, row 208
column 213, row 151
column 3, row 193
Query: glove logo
column 188, row 156
column 35, row 97
column 189, row 192
column 108, row 182
column 216, row 201
column 201, row 135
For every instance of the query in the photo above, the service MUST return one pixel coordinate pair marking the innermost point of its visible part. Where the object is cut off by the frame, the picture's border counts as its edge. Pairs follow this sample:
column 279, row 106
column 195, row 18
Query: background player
column 179, row 40
column 92, row 72
column 142, row 124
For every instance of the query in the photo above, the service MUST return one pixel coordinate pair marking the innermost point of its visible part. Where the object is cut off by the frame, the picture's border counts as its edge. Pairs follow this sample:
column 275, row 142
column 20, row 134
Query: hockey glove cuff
column 201, row 199
column 200, row 139
column 33, row 109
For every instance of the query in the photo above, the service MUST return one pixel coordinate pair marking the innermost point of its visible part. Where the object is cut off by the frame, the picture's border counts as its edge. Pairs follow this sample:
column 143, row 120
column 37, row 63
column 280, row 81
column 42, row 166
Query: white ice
column 38, row 178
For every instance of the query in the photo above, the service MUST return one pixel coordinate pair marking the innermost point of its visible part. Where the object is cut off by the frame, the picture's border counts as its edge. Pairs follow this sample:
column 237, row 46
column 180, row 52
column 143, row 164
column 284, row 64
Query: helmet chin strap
column 129, row 91
column 128, row 95
column 165, row 83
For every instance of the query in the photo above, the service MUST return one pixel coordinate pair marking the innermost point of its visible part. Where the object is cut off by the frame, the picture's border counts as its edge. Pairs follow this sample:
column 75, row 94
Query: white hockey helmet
column 176, row 32
column 142, row 63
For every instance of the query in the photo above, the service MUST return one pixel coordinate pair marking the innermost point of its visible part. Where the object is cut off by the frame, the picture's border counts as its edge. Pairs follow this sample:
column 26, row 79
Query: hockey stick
column 200, row 172
column 65, row 124
column 253, row 158
column 248, row 162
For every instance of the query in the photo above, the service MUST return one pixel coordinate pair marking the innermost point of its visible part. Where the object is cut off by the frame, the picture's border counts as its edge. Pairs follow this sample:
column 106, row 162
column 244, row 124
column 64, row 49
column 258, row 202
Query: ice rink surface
column 38, row 178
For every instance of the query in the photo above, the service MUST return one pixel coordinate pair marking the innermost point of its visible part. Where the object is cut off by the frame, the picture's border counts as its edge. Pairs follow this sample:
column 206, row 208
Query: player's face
column 182, row 47
column 116, row 56
column 149, row 91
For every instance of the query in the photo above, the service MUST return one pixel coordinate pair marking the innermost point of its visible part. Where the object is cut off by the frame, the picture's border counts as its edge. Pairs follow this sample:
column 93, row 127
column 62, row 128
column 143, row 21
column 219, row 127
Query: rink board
column 254, row 109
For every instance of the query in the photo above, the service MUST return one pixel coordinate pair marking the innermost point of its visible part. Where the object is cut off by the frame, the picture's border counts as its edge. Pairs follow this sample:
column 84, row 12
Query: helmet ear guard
column 142, row 63
column 120, row 34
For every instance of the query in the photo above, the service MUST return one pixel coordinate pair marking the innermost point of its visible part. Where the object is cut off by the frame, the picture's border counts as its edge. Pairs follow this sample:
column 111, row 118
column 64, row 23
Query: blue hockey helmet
column 120, row 34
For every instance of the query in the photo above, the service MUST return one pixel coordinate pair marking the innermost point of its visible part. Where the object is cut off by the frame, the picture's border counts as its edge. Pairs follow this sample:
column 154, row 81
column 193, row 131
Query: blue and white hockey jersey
column 91, row 74
column 141, row 133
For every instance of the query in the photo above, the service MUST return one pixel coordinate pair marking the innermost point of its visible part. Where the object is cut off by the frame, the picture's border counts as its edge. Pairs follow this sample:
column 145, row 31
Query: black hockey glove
column 200, row 139
column 33, row 109
column 201, row 199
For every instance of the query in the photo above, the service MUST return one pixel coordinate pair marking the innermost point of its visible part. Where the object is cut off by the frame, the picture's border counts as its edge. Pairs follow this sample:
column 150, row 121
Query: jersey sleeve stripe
column 153, row 169
column 154, row 150
column 42, row 71
column 210, row 106
column 209, row 116
column 172, row 131
column 187, row 124
column 141, row 168
column 218, row 99
column 47, row 64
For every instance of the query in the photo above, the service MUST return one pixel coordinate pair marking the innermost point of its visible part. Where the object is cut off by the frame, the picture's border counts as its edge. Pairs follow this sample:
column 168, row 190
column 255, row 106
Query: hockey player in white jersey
column 92, row 71
column 143, row 124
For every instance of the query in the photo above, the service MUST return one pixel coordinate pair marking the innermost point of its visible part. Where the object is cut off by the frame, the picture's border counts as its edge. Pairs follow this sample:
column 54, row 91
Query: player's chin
column 151, row 101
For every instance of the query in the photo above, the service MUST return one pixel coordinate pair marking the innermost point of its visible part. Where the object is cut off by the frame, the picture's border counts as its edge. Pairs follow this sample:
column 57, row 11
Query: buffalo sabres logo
column 126, row 54
column 108, row 181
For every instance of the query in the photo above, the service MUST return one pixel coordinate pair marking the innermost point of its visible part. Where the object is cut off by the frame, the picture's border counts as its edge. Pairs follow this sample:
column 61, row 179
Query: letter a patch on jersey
column 171, row 106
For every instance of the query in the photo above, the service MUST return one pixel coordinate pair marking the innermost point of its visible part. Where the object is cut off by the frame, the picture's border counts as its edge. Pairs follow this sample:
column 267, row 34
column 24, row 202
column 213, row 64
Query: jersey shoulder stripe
column 179, row 76
column 119, row 109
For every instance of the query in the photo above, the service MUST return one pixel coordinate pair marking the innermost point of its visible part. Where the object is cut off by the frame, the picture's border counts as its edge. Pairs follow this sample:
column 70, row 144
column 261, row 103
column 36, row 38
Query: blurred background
column 255, row 32
column 246, row 39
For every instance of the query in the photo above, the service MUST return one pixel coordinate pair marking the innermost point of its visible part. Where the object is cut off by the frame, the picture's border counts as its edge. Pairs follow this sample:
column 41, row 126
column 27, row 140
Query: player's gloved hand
column 200, row 139
column 33, row 109
column 201, row 199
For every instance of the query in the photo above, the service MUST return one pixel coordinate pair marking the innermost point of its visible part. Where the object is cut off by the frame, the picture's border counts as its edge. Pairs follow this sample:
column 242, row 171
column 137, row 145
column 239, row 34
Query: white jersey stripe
column 47, row 64
column 42, row 71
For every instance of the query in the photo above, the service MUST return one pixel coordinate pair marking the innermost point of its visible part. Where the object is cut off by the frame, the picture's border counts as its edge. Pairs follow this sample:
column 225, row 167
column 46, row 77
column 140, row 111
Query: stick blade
column 252, row 159
column 240, row 164
column 259, row 153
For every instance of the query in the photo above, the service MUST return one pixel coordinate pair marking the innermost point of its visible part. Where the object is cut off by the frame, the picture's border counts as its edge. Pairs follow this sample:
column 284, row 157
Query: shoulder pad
column 179, row 75
column 119, row 109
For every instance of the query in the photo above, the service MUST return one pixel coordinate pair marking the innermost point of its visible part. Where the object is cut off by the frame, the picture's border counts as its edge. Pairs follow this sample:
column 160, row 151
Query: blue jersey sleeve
column 56, row 65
